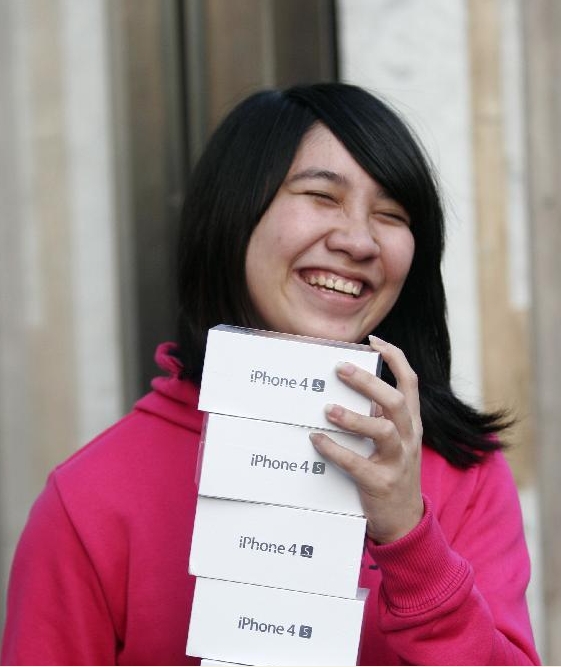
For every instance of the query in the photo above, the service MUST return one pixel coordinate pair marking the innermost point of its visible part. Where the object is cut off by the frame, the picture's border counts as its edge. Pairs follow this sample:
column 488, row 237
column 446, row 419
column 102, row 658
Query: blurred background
column 104, row 107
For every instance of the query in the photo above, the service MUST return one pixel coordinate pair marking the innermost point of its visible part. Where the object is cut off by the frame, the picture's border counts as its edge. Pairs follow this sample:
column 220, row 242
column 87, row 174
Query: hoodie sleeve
column 461, row 601
column 56, row 610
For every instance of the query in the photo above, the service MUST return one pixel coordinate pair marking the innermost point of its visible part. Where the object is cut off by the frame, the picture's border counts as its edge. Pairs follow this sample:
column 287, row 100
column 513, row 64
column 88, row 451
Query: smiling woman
column 312, row 211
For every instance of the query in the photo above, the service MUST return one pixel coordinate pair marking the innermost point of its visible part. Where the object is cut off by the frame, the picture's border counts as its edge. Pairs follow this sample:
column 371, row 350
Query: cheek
column 398, row 258
column 264, row 255
column 253, row 260
column 264, row 246
column 279, row 236
column 268, row 231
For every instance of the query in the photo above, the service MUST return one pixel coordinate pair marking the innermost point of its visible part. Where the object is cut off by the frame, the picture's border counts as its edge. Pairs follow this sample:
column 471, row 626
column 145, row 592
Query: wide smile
column 332, row 282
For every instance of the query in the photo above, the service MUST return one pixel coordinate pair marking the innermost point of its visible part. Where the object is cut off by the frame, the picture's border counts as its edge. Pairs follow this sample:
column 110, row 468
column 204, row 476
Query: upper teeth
column 337, row 284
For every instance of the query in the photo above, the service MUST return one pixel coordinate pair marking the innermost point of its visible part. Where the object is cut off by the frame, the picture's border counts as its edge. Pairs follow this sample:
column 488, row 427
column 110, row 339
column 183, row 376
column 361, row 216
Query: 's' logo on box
column 305, row 631
column 318, row 385
column 318, row 468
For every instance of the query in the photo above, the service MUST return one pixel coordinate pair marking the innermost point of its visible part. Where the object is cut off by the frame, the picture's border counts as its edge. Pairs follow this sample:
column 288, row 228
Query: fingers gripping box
column 258, row 625
column 268, row 462
column 269, row 545
column 280, row 377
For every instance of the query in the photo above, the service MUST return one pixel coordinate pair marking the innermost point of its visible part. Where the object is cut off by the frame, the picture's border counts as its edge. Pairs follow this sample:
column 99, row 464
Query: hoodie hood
column 172, row 398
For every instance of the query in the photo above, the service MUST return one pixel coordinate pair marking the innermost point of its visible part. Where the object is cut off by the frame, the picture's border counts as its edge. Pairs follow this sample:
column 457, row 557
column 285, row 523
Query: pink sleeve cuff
column 420, row 571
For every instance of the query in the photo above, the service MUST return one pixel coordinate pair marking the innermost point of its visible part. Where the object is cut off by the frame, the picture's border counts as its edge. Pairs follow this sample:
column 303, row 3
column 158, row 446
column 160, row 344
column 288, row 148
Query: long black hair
column 234, row 182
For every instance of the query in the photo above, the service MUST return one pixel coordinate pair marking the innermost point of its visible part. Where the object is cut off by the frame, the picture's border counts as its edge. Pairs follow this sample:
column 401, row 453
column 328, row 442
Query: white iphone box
column 270, row 462
column 259, row 625
column 280, row 377
column 269, row 545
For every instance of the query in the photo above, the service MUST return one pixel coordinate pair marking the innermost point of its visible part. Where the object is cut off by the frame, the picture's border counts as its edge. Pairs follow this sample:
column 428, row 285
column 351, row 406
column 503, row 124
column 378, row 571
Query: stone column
column 60, row 364
column 541, row 29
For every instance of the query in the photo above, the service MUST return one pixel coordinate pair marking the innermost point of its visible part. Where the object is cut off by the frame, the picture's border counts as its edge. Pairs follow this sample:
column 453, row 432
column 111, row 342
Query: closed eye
column 398, row 217
column 322, row 196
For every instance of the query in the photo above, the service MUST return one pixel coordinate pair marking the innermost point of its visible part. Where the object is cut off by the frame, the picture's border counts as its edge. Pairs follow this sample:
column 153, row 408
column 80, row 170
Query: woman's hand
column 389, row 481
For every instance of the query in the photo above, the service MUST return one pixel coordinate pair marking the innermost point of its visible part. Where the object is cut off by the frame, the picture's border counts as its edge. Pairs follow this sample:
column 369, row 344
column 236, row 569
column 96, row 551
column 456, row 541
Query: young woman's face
column 331, row 253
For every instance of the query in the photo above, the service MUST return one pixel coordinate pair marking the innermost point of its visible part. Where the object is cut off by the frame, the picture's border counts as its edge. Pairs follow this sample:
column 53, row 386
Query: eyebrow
column 320, row 174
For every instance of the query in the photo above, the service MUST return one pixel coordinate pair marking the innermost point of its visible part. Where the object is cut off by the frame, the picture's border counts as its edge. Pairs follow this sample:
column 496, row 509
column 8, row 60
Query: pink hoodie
column 100, row 573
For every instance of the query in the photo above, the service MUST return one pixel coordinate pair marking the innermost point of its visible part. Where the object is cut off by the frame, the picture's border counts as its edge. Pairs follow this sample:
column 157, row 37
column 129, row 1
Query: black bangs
column 380, row 141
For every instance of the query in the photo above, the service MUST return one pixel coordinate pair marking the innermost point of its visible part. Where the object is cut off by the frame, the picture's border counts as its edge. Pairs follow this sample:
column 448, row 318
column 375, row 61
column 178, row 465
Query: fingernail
column 333, row 411
column 375, row 340
column 345, row 368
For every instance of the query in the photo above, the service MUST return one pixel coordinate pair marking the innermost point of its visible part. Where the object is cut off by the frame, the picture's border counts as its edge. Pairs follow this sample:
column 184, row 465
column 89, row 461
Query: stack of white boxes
column 279, row 532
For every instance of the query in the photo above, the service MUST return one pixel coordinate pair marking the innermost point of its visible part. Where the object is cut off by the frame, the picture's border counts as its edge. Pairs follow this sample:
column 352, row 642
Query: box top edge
column 295, row 337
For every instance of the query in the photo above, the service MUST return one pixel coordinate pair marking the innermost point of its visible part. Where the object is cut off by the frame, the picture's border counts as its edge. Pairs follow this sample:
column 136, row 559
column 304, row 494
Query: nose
column 357, row 238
